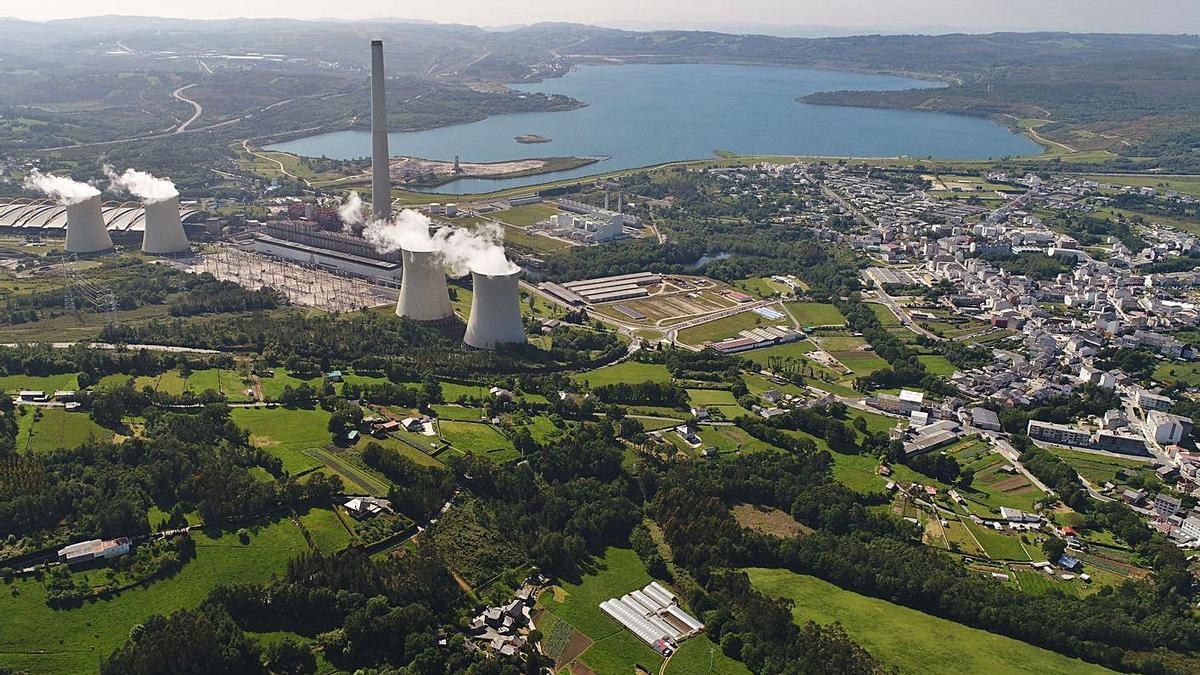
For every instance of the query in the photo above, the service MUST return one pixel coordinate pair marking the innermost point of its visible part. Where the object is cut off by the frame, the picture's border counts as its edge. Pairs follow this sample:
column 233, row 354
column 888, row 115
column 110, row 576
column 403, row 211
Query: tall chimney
column 86, row 231
column 381, row 184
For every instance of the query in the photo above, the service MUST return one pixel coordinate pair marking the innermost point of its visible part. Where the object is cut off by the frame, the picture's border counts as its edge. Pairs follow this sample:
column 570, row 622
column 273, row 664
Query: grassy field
column 56, row 428
column 815, row 314
column 999, row 545
column 857, row 472
column 727, row 327
column 789, row 350
column 732, row 439
column 272, row 387
column 937, row 364
column 526, row 214
column 626, row 371
column 482, row 439
column 1185, row 184
column 38, row 639
column 1098, row 468
column 862, row 363
column 760, row 287
column 286, row 433
column 910, row 640
column 11, row 384
column 1171, row 372
column 404, row 448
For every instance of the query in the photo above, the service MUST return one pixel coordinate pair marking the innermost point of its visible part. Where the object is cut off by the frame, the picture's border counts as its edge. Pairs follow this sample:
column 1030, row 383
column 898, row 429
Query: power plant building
column 46, row 216
column 337, row 251
column 495, row 310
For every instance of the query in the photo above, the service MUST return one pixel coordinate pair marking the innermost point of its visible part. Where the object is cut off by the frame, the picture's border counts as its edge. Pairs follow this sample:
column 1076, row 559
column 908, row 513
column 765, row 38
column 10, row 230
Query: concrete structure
column 381, row 180
column 1165, row 428
column 86, row 230
column 42, row 216
column 164, row 229
column 423, row 294
column 495, row 310
column 348, row 263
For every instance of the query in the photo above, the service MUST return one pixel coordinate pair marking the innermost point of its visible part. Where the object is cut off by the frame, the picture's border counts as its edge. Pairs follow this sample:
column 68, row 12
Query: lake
column 644, row 114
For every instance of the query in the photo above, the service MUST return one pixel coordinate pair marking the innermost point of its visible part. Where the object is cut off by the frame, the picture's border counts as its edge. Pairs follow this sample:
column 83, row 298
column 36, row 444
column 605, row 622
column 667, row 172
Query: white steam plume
column 65, row 190
column 480, row 250
column 148, row 187
column 459, row 250
column 351, row 213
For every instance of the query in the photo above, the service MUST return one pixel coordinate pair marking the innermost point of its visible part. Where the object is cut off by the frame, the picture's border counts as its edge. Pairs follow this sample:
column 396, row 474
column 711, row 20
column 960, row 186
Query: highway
column 199, row 110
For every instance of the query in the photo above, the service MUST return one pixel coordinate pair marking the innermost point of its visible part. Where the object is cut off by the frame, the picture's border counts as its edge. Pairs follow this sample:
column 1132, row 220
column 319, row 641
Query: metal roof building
column 47, row 215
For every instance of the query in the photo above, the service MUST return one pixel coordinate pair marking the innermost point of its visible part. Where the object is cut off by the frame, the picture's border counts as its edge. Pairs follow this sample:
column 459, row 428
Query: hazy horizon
column 777, row 17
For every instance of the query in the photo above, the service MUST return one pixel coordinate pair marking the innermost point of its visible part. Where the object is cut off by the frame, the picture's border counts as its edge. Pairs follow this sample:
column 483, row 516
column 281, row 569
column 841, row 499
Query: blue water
column 646, row 114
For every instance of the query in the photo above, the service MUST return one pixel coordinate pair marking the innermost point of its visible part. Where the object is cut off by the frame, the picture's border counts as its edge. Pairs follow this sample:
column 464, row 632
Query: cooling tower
column 495, row 310
column 423, row 295
column 381, row 184
column 86, row 232
column 164, row 232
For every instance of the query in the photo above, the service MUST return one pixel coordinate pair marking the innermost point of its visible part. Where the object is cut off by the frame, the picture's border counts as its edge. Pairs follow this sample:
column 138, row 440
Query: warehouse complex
column 49, row 216
column 654, row 615
column 603, row 289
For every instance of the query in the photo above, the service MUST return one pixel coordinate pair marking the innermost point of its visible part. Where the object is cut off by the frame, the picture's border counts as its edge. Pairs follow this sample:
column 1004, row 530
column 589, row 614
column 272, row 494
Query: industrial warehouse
column 654, row 615
column 603, row 289
column 45, row 216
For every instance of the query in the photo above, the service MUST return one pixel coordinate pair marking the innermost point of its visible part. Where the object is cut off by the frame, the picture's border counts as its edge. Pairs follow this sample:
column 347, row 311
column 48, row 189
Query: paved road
column 199, row 110
column 132, row 347
column 902, row 314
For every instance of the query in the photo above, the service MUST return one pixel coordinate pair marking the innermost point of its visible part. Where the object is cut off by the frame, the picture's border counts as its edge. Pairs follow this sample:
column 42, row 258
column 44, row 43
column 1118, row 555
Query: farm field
column 11, row 384
column 404, row 448
column 862, row 363
column 272, row 387
column 937, row 364
column 286, row 433
column 727, row 327
column 56, row 428
column 227, row 382
column 1097, row 468
column 38, row 639
column 615, row 649
column 815, row 314
column 788, row 350
column 705, row 397
column 912, row 641
column 1185, row 184
column 730, row 439
column 994, row 486
column 482, row 439
column 999, row 545
column 626, row 371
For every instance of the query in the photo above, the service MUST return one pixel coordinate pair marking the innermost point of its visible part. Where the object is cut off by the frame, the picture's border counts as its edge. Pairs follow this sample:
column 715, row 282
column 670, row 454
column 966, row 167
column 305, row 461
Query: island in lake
column 531, row 138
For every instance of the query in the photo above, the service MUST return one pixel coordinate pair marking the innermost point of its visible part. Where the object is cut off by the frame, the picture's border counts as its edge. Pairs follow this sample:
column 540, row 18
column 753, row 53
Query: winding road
column 199, row 110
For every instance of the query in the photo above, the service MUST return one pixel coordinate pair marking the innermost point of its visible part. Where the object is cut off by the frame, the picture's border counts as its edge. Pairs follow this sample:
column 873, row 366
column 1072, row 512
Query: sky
column 781, row 17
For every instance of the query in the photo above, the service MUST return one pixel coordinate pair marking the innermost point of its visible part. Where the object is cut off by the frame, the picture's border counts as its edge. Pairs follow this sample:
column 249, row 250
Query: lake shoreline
column 646, row 114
